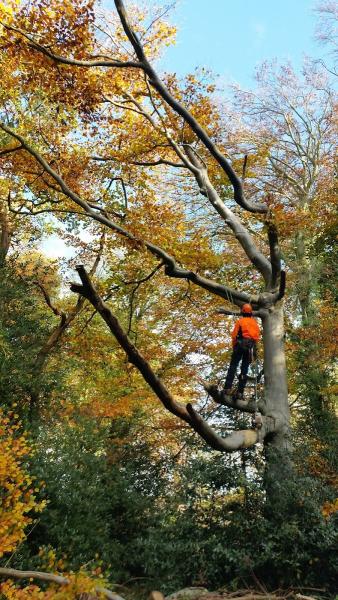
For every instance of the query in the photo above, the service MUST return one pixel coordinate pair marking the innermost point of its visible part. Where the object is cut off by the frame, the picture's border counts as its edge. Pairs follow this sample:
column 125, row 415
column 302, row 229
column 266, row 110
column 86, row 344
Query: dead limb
column 233, row 222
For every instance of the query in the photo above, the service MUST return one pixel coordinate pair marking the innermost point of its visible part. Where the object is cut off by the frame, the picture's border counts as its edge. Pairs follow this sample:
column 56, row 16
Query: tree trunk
column 305, row 277
column 40, row 362
column 275, row 378
column 5, row 235
column 277, row 444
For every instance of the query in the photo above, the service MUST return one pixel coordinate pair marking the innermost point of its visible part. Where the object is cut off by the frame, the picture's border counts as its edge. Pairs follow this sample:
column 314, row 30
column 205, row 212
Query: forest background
column 99, row 483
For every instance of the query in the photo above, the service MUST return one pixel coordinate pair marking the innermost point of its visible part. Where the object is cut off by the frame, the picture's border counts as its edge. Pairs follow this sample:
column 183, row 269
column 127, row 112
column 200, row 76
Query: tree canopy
column 177, row 207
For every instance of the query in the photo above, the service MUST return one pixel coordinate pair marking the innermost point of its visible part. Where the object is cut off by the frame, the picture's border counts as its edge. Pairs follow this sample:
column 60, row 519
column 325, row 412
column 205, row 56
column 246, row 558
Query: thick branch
column 279, row 295
column 172, row 270
column 41, row 576
column 238, row 439
column 233, row 296
column 72, row 61
column 275, row 256
column 88, row 291
column 187, row 116
column 241, row 233
column 235, row 441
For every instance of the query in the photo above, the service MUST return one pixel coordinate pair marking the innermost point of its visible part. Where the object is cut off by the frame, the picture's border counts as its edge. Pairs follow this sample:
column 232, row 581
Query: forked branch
column 163, row 91
column 172, row 269
column 235, row 441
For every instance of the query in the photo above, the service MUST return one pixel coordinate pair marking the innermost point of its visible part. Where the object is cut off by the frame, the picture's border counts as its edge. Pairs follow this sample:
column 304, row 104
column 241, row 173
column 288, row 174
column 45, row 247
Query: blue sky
column 232, row 37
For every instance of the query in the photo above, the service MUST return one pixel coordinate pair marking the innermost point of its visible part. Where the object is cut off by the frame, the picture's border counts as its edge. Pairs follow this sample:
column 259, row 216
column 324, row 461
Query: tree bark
column 276, row 423
column 275, row 379
column 5, row 235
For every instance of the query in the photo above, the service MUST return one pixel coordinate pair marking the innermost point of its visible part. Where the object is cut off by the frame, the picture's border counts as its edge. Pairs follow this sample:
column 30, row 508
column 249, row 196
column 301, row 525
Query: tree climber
column 245, row 336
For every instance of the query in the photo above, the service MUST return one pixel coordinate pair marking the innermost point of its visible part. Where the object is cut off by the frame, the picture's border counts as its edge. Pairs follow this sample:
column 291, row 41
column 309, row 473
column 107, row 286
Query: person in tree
column 245, row 336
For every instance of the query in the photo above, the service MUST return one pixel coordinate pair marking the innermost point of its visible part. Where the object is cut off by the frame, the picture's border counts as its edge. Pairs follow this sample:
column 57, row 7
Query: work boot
column 214, row 392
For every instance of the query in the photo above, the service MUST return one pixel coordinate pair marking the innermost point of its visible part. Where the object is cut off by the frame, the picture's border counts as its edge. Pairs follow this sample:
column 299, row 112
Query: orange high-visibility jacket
column 250, row 329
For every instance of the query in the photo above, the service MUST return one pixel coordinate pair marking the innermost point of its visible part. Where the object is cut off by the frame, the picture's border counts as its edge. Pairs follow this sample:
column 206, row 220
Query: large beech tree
column 97, row 84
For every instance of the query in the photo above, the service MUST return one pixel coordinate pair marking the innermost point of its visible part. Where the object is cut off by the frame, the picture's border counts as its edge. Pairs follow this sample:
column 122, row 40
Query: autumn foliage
column 18, row 490
column 94, row 160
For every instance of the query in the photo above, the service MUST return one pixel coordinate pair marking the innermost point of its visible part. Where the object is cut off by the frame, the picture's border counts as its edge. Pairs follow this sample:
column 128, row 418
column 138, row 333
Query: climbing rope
column 257, row 416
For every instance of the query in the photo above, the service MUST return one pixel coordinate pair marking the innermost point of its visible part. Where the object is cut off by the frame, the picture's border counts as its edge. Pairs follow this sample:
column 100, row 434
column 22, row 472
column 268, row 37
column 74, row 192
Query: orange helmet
column 246, row 309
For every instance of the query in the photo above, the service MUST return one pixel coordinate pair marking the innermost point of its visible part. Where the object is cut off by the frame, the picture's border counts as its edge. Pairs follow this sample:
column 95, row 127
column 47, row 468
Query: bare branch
column 282, row 286
column 238, row 439
column 88, row 291
column 247, row 406
column 242, row 234
column 187, row 116
column 160, row 161
column 41, row 576
column 149, row 163
column 244, row 167
column 9, row 150
column 49, row 303
column 172, row 270
column 275, row 256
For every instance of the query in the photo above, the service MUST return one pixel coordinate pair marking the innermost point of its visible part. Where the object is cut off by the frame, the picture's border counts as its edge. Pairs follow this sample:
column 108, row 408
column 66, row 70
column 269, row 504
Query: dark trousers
column 239, row 354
